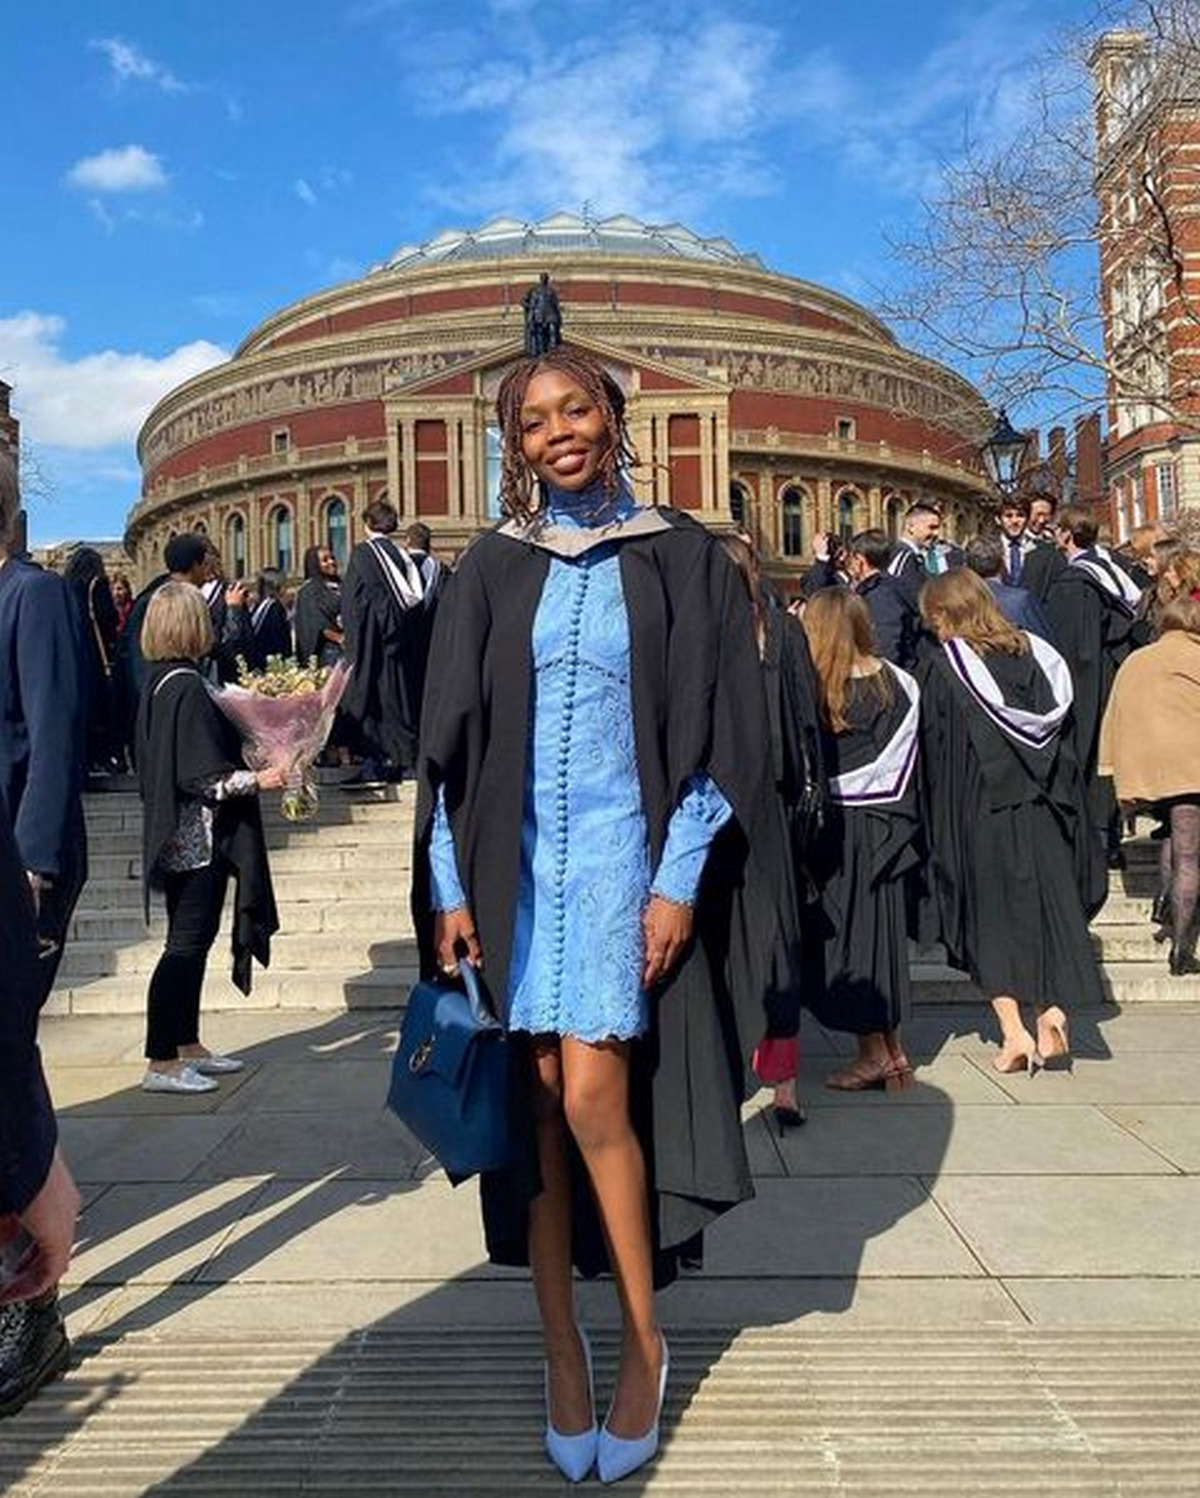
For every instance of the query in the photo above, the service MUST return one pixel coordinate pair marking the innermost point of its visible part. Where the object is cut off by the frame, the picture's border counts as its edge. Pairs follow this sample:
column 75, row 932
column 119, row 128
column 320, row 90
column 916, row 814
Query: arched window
column 235, row 545
column 791, row 504
column 738, row 505
column 846, row 504
column 893, row 515
column 282, row 547
column 334, row 528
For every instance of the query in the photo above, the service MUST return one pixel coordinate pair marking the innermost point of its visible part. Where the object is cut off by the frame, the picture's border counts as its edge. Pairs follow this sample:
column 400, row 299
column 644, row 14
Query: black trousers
column 194, row 903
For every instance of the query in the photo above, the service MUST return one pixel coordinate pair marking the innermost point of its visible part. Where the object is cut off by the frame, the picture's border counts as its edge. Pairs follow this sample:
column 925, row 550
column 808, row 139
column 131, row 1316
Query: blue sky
column 176, row 171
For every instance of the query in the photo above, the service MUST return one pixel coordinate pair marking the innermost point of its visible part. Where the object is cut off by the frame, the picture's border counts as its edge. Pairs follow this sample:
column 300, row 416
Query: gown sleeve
column 700, row 815
column 446, row 889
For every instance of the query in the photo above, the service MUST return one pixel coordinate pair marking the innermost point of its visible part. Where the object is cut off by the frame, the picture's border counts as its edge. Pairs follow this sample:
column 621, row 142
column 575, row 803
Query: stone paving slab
column 1173, row 1130
column 975, row 1141
column 1077, row 1225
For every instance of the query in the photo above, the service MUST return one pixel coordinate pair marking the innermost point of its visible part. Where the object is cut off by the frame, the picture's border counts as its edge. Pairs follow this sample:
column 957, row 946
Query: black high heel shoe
column 788, row 1118
column 1160, row 909
column 1181, row 963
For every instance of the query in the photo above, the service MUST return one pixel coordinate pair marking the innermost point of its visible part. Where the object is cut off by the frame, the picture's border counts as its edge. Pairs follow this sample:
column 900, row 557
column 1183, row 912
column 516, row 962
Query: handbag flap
column 439, row 1029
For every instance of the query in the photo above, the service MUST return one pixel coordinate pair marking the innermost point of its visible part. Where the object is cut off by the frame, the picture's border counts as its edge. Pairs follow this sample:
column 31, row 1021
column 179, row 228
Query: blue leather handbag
column 450, row 1078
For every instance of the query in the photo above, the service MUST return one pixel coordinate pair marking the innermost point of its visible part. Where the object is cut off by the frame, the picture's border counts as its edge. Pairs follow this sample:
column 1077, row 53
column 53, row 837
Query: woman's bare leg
column 1015, row 1039
column 550, row 1249
column 596, row 1104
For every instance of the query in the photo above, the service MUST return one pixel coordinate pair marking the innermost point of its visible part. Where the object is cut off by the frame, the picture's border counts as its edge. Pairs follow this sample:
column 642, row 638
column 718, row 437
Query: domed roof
column 568, row 234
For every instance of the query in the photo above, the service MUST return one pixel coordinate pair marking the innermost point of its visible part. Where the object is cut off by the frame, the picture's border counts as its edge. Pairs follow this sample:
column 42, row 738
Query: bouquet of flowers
column 284, row 714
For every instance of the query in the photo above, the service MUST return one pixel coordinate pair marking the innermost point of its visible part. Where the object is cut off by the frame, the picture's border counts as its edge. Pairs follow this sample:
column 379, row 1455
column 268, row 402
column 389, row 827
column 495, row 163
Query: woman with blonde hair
column 201, row 823
column 1013, row 873
column 869, row 712
column 1148, row 745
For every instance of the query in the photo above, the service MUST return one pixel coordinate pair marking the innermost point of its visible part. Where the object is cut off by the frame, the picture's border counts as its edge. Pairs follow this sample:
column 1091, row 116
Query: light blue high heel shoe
column 617, row 1458
column 574, row 1456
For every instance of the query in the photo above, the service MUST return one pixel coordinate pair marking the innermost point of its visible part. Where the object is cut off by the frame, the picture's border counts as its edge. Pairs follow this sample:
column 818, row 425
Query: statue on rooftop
column 543, row 317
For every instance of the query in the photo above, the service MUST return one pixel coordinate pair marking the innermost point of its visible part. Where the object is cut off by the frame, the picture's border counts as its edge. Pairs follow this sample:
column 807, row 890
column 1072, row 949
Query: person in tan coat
column 1148, row 745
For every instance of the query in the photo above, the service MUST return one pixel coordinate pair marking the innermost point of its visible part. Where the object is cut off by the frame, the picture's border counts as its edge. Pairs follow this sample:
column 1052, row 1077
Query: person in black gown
column 270, row 627
column 318, row 618
column 1092, row 608
column 800, row 783
column 85, row 576
column 1014, row 871
column 386, row 640
column 869, row 710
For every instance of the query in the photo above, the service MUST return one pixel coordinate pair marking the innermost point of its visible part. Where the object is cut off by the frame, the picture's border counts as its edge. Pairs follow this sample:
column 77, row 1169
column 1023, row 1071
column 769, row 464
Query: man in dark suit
column 985, row 556
column 897, row 624
column 920, row 551
column 41, row 782
column 1030, row 560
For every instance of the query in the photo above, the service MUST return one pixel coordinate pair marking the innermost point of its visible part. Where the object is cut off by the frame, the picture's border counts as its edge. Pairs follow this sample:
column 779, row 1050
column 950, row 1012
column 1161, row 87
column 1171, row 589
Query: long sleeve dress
column 594, row 729
column 585, row 861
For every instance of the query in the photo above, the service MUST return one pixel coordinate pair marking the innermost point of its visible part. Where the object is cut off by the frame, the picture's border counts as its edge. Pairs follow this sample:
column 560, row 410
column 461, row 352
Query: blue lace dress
column 585, row 869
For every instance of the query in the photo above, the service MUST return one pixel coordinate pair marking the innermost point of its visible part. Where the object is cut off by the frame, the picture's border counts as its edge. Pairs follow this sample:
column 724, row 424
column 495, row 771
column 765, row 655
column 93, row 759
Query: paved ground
column 983, row 1285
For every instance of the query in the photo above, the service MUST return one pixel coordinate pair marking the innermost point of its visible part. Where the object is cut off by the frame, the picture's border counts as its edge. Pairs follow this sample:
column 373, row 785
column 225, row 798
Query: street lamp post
column 1004, row 455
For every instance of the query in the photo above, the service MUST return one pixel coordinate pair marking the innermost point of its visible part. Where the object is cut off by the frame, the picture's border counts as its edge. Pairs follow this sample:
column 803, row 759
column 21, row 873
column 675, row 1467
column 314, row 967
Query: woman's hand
column 274, row 778
column 454, row 936
column 667, row 926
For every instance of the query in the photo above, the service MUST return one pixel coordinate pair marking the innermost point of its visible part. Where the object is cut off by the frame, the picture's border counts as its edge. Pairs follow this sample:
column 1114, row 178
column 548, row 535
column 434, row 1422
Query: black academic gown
column 387, row 645
column 797, row 758
column 864, row 863
column 270, row 634
column 184, row 743
column 42, row 742
column 1095, row 634
column 698, row 704
column 1014, row 871
column 318, row 608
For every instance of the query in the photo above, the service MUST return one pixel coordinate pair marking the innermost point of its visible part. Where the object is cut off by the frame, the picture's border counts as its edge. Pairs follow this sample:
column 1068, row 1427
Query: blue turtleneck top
column 585, row 870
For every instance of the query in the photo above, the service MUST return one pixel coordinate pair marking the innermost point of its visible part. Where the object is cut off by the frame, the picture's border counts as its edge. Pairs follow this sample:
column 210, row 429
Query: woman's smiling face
column 563, row 435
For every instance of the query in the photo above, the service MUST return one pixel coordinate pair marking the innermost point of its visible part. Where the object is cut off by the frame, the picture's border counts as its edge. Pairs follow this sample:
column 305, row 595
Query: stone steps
column 454, row 1409
column 342, row 884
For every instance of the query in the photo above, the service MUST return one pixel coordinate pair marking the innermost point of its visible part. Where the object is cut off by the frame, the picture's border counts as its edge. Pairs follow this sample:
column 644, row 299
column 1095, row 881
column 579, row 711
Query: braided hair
column 516, row 476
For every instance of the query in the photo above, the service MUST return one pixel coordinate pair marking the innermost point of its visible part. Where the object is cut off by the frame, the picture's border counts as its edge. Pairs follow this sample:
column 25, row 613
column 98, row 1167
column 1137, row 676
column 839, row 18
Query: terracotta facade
column 754, row 399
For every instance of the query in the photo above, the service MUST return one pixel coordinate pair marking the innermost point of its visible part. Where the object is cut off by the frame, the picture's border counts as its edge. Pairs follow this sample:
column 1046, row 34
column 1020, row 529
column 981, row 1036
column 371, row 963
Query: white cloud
column 95, row 400
column 119, row 169
column 304, row 192
column 129, row 64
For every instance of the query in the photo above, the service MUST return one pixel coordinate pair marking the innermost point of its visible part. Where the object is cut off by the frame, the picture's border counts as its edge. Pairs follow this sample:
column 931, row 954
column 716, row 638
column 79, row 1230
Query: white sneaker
column 185, row 1079
column 215, row 1065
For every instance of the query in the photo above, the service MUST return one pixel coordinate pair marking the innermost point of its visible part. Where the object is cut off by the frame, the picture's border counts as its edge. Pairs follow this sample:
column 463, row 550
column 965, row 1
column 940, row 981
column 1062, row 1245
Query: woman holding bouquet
column 580, row 822
column 201, row 823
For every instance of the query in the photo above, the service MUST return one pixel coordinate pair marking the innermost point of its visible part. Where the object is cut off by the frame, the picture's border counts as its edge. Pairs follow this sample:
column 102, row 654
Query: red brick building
column 1148, row 135
column 754, row 399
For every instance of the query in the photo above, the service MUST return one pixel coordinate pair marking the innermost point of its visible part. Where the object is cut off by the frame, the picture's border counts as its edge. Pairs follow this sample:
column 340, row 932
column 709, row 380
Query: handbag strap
column 481, row 1009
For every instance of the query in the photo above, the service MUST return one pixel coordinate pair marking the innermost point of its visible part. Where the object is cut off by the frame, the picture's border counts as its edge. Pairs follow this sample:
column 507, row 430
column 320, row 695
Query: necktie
column 1014, row 560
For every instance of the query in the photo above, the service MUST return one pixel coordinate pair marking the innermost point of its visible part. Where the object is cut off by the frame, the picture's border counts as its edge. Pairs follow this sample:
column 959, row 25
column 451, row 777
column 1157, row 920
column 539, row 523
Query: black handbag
column 450, row 1077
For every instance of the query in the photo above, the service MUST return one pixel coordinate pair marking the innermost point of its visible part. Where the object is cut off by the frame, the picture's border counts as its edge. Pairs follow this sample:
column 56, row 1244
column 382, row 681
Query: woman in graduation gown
column 869, row 848
column 596, row 827
column 798, row 769
column 201, row 824
column 1014, row 872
